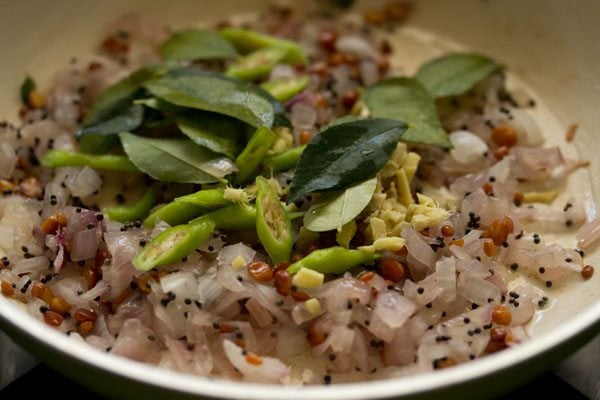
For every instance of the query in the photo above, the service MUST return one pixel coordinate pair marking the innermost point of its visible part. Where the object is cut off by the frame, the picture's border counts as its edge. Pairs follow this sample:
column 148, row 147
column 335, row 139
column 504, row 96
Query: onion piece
column 83, row 182
column 589, row 233
column 468, row 147
column 357, row 45
column 219, row 167
column 29, row 265
column 263, row 369
column 8, row 160
column 84, row 245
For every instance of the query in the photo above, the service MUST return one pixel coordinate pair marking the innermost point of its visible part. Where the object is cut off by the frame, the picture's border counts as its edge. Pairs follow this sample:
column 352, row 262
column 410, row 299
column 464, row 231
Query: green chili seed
column 334, row 260
column 173, row 244
column 246, row 41
column 173, row 213
column 284, row 161
column 257, row 64
column 208, row 199
column 134, row 212
column 109, row 162
column 273, row 224
column 248, row 161
column 285, row 89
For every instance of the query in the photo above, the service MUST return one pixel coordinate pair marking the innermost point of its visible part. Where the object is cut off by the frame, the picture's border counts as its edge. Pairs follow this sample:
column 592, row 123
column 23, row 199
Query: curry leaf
column 114, row 112
column 335, row 210
column 345, row 154
column 213, row 131
column 456, row 73
column 406, row 100
column 26, row 87
column 214, row 92
column 196, row 44
column 169, row 160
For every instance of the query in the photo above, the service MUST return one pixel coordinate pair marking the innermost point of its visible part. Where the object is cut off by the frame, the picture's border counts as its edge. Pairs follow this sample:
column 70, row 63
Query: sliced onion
column 393, row 309
column 8, row 160
column 468, row 147
column 183, row 284
column 357, row 45
column 134, row 344
column 477, row 290
column 270, row 370
column 229, row 253
column 28, row 265
column 303, row 116
column 418, row 248
column 83, row 182
column 219, row 167
column 445, row 276
column 589, row 233
column 84, row 245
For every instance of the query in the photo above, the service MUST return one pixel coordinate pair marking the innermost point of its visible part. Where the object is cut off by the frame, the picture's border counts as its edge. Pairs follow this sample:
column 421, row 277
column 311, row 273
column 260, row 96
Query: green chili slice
column 66, row 158
column 173, row 213
column 254, row 152
column 208, row 198
column 233, row 217
column 174, row 244
column 283, row 161
column 246, row 41
column 333, row 260
column 134, row 212
column 273, row 224
column 256, row 64
column 285, row 89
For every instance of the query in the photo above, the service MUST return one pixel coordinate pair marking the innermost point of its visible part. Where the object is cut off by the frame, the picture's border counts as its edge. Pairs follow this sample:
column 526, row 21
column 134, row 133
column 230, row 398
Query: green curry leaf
column 196, row 44
column 208, row 91
column 406, row 100
column 454, row 74
column 337, row 209
column 169, row 160
column 345, row 154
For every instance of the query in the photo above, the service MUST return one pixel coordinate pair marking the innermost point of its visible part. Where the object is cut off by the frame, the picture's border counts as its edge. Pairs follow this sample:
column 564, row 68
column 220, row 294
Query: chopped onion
column 468, row 147
column 393, row 309
column 230, row 253
column 357, row 45
column 8, row 160
column 269, row 370
column 418, row 248
column 589, row 233
column 84, row 245
column 83, row 182
column 476, row 290
column 183, row 284
column 369, row 72
column 28, row 265
column 303, row 116
column 219, row 167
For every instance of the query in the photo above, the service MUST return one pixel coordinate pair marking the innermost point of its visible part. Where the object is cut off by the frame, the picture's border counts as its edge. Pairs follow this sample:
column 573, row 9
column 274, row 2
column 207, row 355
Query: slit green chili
column 235, row 216
column 256, row 64
column 208, row 198
column 173, row 244
column 134, row 212
column 284, row 161
column 285, row 89
column 108, row 162
column 179, row 241
column 173, row 213
column 246, row 41
column 333, row 260
column 273, row 224
column 253, row 154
